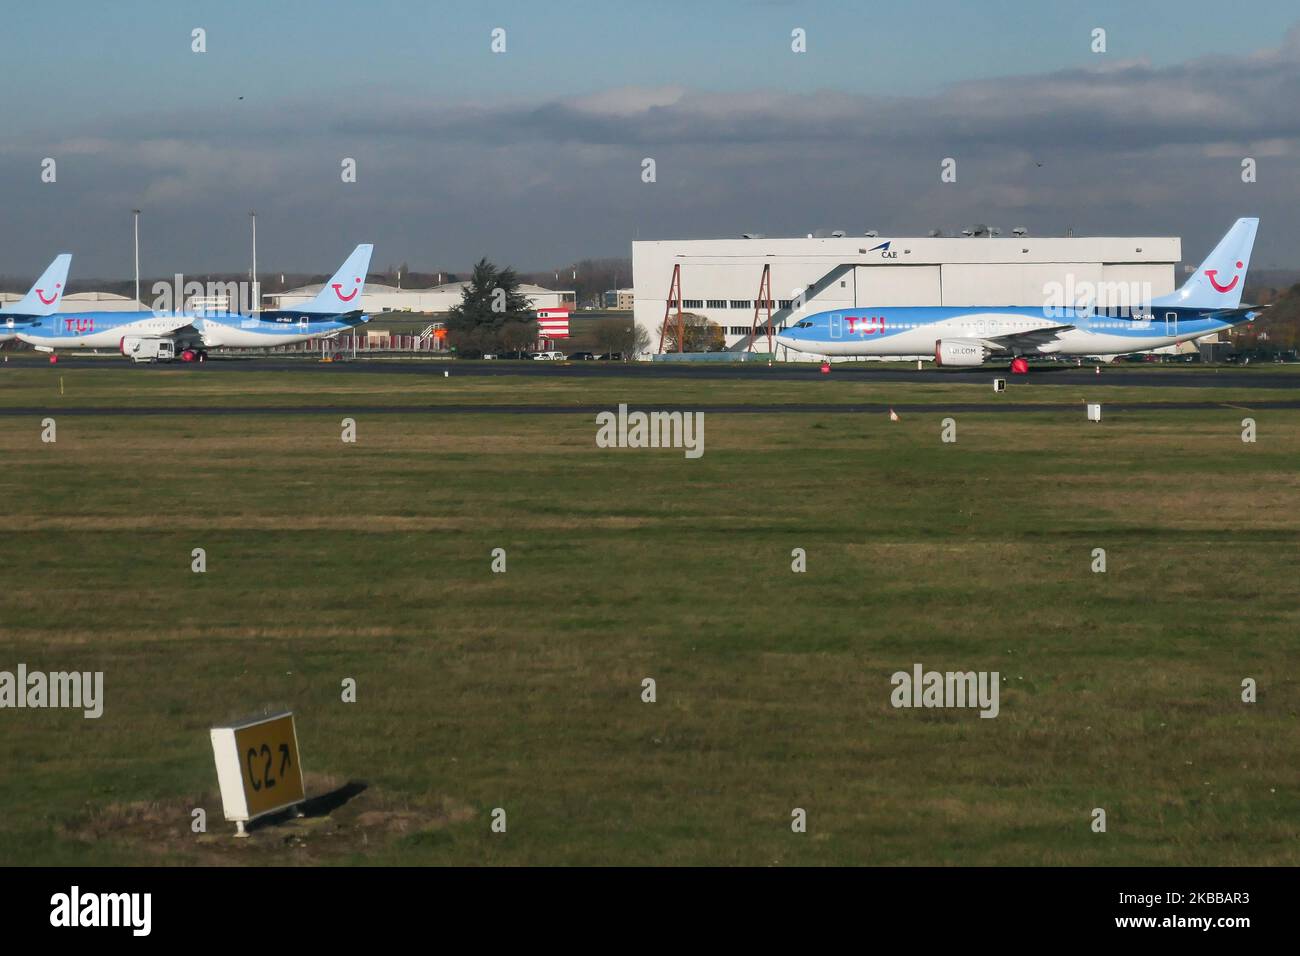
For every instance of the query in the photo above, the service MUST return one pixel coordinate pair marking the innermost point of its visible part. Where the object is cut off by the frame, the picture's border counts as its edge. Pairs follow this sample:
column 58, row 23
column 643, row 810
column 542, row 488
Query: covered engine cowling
column 959, row 352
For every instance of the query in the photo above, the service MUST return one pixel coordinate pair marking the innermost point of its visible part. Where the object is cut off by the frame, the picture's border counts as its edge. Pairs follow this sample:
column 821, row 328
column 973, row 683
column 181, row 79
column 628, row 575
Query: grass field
column 522, row 690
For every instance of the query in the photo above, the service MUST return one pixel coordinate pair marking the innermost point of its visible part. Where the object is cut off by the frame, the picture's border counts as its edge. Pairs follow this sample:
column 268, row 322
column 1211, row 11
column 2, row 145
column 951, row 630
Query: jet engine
column 959, row 352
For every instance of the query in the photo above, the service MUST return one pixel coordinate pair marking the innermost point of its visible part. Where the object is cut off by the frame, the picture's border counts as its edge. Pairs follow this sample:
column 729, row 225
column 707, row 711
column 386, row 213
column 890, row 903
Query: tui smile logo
column 1211, row 273
column 338, row 291
column 40, row 294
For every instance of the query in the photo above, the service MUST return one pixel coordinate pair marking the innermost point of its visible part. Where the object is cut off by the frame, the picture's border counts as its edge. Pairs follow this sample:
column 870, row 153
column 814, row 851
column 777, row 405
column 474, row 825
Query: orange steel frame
column 764, row 300
column 674, row 295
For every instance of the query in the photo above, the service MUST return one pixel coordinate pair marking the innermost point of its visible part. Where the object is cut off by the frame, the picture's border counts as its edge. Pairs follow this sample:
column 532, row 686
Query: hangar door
column 1009, row 283
column 1139, row 282
column 895, row 285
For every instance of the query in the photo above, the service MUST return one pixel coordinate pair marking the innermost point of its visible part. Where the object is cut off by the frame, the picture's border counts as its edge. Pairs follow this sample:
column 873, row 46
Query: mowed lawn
column 523, row 690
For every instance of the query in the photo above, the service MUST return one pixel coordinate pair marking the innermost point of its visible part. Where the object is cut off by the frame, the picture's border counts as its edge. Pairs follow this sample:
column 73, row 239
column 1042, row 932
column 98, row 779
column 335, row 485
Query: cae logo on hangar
column 884, row 250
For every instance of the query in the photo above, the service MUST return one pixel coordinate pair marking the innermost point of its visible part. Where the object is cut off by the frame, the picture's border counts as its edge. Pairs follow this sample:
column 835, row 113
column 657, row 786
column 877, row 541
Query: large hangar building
column 723, row 279
column 379, row 298
column 85, row 302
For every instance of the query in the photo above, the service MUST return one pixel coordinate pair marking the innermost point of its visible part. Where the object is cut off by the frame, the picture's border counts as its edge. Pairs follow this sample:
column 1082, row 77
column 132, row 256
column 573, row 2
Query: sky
column 536, row 156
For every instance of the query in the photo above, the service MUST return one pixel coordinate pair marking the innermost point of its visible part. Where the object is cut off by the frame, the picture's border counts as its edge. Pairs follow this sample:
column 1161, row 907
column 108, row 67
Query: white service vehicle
column 148, row 348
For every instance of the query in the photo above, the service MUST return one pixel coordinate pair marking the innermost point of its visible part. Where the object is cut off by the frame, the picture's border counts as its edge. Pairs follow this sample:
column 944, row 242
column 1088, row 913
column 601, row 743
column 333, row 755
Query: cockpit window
column 803, row 325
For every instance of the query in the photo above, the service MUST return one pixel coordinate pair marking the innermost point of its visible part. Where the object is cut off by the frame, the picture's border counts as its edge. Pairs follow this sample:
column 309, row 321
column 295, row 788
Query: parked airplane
column 326, row 315
column 1208, row 302
column 96, row 330
column 188, row 335
column 42, row 300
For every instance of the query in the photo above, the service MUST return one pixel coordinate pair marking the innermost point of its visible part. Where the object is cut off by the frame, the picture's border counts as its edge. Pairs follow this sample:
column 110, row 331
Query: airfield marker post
column 258, row 768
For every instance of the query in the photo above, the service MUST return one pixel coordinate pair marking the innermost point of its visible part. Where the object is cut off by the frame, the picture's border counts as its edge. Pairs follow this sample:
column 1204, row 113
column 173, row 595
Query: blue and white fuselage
column 98, row 330
column 1209, row 301
column 106, row 330
column 1016, row 330
column 267, row 329
column 335, row 309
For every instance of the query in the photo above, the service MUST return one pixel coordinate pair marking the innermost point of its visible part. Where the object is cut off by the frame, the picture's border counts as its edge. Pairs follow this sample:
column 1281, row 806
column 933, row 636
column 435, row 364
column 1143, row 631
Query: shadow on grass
column 319, row 806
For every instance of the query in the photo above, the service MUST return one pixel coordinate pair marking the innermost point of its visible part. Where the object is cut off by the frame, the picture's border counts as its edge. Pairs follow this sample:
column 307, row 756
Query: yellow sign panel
column 268, row 765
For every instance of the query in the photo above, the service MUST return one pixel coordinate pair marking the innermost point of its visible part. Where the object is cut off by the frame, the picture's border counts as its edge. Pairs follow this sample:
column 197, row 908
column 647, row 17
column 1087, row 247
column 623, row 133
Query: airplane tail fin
column 45, row 295
column 343, row 291
column 1217, row 283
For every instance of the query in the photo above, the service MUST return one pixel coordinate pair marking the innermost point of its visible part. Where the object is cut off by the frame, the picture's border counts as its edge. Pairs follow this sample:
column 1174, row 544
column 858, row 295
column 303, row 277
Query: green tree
column 491, row 310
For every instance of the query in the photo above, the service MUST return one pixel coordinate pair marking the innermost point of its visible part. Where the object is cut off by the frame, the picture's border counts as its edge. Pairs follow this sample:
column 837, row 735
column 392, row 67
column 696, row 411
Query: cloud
column 1125, row 147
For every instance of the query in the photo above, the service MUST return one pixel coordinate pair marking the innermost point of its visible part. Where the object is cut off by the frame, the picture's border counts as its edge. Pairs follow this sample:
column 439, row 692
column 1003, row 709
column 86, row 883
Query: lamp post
column 135, row 215
column 257, row 298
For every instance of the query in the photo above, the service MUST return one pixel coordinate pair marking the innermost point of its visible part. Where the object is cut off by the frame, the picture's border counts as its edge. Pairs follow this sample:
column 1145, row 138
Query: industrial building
column 376, row 299
column 437, row 299
column 736, row 283
column 85, row 302
column 620, row 299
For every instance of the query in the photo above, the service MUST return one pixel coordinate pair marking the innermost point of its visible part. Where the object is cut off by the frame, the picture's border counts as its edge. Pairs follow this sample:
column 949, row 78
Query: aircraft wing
column 1030, row 340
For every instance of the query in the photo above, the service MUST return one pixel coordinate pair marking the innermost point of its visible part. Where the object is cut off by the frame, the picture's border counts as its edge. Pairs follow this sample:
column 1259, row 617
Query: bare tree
column 698, row 334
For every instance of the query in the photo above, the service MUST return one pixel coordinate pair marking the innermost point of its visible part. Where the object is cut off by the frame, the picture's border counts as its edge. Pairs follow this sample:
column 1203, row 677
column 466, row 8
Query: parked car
column 581, row 357
column 549, row 356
